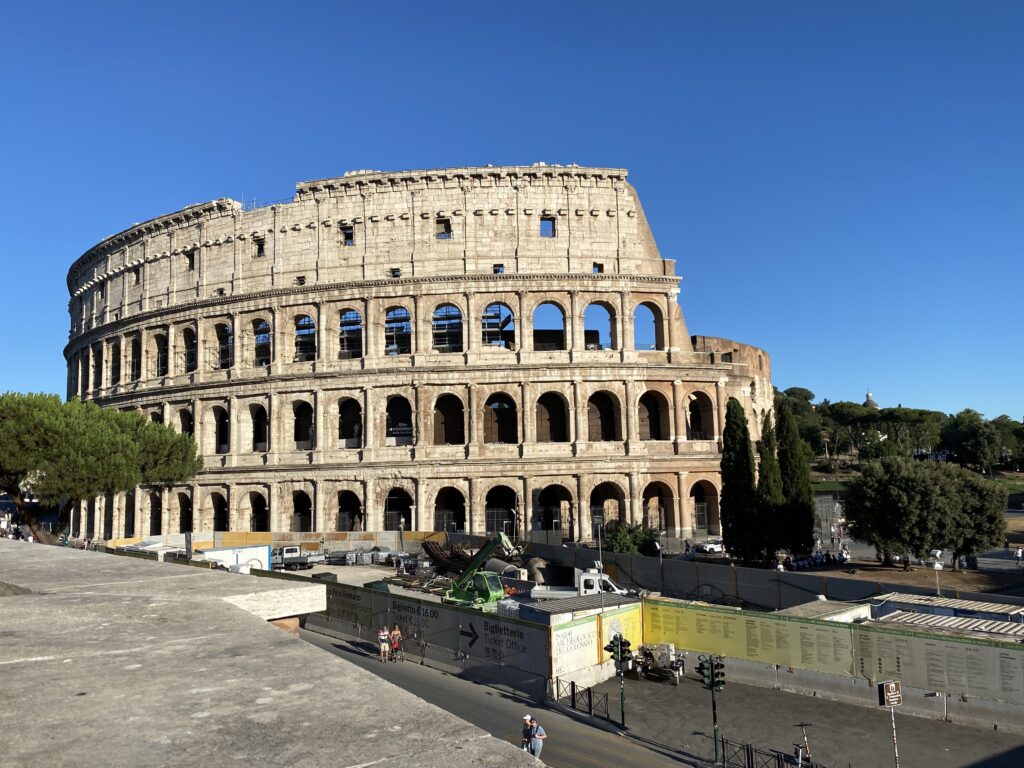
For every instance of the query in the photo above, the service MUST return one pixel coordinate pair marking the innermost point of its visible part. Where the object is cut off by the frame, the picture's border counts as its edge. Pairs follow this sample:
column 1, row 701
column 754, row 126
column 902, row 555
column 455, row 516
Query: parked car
column 711, row 546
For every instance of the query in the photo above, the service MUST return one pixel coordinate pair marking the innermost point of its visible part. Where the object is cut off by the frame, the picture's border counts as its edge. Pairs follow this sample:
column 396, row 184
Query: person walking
column 396, row 643
column 1018, row 556
column 384, row 642
column 527, row 732
column 537, row 736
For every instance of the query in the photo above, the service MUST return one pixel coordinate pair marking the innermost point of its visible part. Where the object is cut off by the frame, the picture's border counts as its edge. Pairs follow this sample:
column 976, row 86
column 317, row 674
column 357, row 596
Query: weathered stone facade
column 371, row 355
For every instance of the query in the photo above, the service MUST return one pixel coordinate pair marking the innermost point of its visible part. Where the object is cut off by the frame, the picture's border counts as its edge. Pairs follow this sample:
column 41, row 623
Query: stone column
column 473, row 420
column 317, row 523
column 323, row 339
column 321, row 438
column 470, row 340
column 578, row 408
column 525, row 341
column 573, row 324
column 369, row 427
column 720, row 402
column 669, row 334
column 626, row 323
column 232, row 406
column 416, row 523
column 582, row 512
column 634, row 511
column 678, row 416
column 370, row 329
column 632, row 432
column 165, row 511
column 683, row 519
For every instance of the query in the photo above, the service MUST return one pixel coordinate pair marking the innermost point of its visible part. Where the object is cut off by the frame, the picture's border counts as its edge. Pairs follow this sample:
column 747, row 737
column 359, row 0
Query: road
column 570, row 744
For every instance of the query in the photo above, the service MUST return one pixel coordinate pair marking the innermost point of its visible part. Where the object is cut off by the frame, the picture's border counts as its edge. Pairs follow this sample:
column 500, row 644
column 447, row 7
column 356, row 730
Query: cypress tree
column 770, row 498
column 797, row 518
column 739, row 496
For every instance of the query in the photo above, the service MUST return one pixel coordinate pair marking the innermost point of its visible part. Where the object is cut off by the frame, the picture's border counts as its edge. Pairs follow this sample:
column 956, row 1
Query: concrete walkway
column 113, row 661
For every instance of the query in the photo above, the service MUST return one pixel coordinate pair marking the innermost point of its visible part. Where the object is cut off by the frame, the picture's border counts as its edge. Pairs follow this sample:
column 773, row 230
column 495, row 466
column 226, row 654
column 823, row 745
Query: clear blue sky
column 840, row 183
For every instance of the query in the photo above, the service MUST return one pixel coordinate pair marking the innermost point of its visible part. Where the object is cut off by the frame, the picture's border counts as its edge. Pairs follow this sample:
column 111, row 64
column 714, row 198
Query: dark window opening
column 261, row 336
column 156, row 514
column 156, row 417
column 348, row 236
column 260, row 428
column 129, row 515
column 398, row 426
column 221, row 519
column 398, row 511
column 603, row 418
column 259, row 519
column 305, row 429
column 97, row 366
column 300, row 280
column 305, row 339
column 350, row 335
column 184, row 513
column 449, row 421
column 136, row 276
column 350, row 512
column 350, row 424
column 160, row 341
column 443, row 228
column 450, row 510
column 552, row 419
column 500, row 420
column 261, row 247
column 191, row 349
column 547, row 226
column 115, row 364
column 225, row 346
column 499, row 269
column 190, row 262
column 652, row 423
column 396, row 271
column 302, row 512
column 598, row 268
column 186, row 422
column 221, row 431
column 397, row 332
column 500, row 510
column 447, row 328
column 136, row 361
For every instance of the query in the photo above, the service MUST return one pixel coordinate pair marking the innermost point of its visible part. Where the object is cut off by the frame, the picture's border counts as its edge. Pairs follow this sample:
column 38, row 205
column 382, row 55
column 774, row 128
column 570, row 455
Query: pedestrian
column 396, row 642
column 537, row 737
column 1018, row 556
column 384, row 642
column 527, row 733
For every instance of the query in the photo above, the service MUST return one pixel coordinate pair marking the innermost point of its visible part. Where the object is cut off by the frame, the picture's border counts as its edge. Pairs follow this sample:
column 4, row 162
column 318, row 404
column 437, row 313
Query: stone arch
column 129, row 514
column 552, row 508
column 224, row 338
column 600, row 330
column 397, row 331
column 304, row 427
column 258, row 511
column 161, row 363
column 653, row 416
column 549, row 327
column 217, row 511
column 186, row 424
column 220, row 430
column 189, row 349
column 648, row 327
column 350, row 512
column 302, row 512
column 501, row 421
column 552, row 418
column 156, row 513
column 700, row 416
column 450, row 510
column 500, row 505
column 658, row 506
column 706, row 520
column 498, row 326
column 446, row 328
column 449, row 421
column 603, row 417
column 607, row 506
column 350, row 423
column 305, row 339
column 185, row 522
column 262, row 346
column 398, row 510
column 260, row 428
column 398, row 428
column 350, row 334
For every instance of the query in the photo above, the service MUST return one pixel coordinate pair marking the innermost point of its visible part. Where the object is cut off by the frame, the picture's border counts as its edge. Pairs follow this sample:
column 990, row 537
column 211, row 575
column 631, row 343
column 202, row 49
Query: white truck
column 293, row 559
column 592, row 581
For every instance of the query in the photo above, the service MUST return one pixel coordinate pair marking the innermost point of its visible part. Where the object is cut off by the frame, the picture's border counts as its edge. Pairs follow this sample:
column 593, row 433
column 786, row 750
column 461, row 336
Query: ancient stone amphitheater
column 467, row 349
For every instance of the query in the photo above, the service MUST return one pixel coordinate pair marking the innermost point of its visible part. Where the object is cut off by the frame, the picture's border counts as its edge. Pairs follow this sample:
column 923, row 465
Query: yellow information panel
column 818, row 646
column 627, row 622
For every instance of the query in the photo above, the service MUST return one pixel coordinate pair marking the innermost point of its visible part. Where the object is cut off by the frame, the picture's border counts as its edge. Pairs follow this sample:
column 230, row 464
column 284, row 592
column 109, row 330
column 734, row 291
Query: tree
column 632, row 539
column 974, row 440
column 63, row 453
column 770, row 499
column 741, row 532
column 796, row 529
column 909, row 507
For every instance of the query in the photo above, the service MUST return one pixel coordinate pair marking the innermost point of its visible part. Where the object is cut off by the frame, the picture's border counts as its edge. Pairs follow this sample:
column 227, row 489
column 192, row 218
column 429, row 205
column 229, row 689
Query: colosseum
column 467, row 349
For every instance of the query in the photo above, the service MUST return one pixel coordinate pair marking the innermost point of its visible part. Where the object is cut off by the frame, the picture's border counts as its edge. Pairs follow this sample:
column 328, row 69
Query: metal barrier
column 738, row 755
column 582, row 699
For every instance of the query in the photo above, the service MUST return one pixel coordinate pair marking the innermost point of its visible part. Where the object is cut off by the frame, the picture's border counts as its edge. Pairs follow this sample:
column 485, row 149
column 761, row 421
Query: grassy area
column 1013, row 481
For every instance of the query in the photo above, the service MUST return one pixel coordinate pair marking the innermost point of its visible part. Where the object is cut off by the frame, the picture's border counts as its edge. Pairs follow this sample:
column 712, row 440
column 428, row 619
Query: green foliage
column 742, row 529
column 902, row 506
column 974, row 440
column 65, row 452
column 769, row 479
column 632, row 539
column 795, row 530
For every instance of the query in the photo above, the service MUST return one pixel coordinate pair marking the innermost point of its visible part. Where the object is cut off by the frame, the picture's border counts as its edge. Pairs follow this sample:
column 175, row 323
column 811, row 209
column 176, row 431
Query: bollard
column 572, row 692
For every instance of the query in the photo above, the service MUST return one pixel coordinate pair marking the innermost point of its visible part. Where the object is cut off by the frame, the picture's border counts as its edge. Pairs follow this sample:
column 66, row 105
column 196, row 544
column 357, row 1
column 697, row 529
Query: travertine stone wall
column 497, row 425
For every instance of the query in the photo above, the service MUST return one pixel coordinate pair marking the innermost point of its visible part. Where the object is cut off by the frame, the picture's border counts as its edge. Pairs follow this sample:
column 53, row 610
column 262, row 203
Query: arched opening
column 97, row 366
column 653, row 417
column 700, row 422
column 304, row 428
column 548, row 328
column 305, row 339
column 398, row 428
column 553, row 510
column 706, row 521
column 350, row 424
column 446, row 328
column 350, row 512
column 499, row 327
column 500, row 420
column 607, row 503
column 261, row 341
column 225, row 346
column 500, row 511
column 156, row 514
column 552, row 419
column 135, row 364
column 302, row 512
column 221, row 430
column 599, row 331
column 647, row 327
column 449, row 421
column 219, row 506
column 129, row 515
column 398, row 511
column 160, row 362
column 108, row 517
column 115, row 363
column 184, row 513
column 186, row 422
column 603, row 418
column 190, row 349
column 397, row 332
column 156, row 417
column 657, row 506
column 260, row 428
column 350, row 335
column 450, row 510
column 259, row 517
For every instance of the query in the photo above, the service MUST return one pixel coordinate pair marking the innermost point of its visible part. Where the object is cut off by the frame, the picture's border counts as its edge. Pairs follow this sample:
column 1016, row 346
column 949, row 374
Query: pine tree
column 797, row 517
column 770, row 499
column 739, row 496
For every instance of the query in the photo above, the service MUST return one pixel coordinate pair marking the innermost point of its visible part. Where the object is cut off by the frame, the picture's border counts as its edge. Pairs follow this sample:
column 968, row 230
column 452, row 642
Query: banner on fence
column 627, row 621
column 574, row 646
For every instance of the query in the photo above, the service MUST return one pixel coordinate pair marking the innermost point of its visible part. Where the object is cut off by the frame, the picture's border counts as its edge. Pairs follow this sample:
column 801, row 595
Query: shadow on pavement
column 1013, row 757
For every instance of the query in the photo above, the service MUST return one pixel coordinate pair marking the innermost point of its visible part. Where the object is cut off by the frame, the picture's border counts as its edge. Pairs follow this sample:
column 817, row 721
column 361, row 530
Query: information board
column 574, row 646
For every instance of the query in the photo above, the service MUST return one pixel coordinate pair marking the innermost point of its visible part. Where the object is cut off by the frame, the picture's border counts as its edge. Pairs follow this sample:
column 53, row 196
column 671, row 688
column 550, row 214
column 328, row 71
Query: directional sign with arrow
column 472, row 634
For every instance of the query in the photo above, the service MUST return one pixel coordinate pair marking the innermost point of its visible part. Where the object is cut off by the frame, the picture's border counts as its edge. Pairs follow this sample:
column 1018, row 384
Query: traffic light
column 718, row 673
column 613, row 647
column 624, row 650
column 704, row 672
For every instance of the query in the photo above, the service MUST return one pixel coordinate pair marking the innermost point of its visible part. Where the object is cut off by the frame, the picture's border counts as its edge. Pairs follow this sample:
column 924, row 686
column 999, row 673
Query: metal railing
column 738, row 755
column 582, row 699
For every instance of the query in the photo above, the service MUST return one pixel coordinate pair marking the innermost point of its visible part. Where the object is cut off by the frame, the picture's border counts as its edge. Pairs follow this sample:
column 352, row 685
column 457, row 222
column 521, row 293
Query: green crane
column 476, row 587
